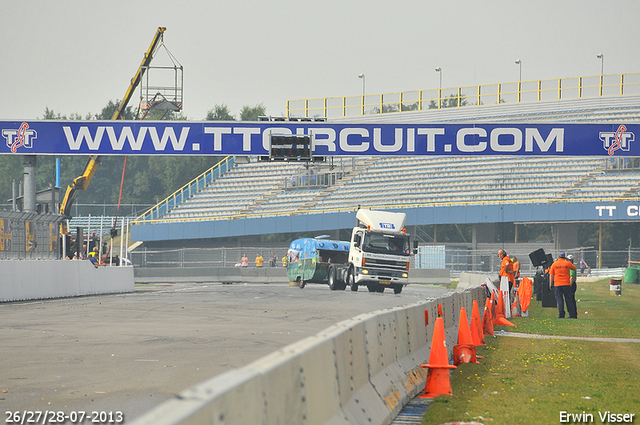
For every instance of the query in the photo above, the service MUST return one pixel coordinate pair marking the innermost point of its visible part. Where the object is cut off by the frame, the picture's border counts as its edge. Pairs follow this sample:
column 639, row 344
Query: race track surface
column 130, row 352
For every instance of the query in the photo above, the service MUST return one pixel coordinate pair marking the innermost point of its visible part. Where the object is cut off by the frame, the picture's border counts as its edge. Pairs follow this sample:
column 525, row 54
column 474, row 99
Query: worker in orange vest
column 516, row 270
column 506, row 267
column 560, row 281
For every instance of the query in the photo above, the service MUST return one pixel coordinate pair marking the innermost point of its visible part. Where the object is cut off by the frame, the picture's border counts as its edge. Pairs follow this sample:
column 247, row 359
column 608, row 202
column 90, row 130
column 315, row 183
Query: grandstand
column 247, row 198
column 240, row 199
column 262, row 189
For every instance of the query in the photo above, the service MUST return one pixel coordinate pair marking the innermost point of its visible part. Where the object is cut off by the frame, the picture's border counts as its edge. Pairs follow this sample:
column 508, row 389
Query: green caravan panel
column 309, row 259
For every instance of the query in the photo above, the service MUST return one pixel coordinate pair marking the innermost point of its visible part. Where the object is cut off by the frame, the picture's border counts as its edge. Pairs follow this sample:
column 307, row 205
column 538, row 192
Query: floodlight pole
column 363, row 87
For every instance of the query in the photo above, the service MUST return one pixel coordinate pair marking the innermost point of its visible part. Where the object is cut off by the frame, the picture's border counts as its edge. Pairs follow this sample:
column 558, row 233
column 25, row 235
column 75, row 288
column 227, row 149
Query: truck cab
column 380, row 251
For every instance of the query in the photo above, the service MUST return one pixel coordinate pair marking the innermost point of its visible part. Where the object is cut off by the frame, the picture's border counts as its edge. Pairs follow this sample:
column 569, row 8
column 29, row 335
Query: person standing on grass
column 583, row 266
column 560, row 281
column 574, row 277
column 506, row 268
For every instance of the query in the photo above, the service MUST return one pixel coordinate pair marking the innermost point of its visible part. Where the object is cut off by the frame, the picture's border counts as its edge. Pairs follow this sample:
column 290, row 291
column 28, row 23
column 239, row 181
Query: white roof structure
column 382, row 220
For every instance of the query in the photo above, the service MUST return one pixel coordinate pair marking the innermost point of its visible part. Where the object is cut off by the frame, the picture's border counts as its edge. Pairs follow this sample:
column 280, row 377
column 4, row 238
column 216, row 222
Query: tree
column 220, row 113
column 251, row 114
column 49, row 114
column 108, row 111
column 452, row 101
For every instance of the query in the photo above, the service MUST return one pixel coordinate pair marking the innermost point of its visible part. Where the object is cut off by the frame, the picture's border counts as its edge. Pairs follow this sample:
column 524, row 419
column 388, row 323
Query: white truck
column 379, row 254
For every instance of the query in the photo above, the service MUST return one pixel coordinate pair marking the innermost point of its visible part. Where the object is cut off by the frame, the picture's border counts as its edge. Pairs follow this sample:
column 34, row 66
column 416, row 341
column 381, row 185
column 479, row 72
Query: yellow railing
column 488, row 94
column 180, row 195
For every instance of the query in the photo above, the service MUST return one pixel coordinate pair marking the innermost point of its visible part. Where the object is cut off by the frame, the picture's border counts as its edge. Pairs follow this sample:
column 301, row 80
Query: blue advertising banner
column 329, row 139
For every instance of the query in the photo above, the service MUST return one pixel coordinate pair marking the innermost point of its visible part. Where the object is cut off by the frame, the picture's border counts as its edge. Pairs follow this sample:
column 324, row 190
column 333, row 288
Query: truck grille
column 386, row 264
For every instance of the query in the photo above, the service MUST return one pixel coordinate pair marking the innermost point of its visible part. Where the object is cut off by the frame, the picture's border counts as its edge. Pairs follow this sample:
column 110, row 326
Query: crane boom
column 81, row 182
column 135, row 81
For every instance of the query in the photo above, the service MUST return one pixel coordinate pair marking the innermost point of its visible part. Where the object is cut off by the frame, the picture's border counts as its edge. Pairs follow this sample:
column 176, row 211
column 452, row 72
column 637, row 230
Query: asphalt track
column 130, row 352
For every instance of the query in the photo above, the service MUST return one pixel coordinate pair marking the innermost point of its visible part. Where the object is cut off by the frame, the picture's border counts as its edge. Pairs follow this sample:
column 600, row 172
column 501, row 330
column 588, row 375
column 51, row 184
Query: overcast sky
column 74, row 56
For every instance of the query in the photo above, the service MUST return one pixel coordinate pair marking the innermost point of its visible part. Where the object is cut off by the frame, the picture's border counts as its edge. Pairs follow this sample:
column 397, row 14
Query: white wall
column 41, row 279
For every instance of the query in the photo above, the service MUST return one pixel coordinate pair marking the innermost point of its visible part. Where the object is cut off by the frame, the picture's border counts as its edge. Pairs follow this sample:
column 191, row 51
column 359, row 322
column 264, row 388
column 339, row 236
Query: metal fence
column 486, row 94
column 461, row 259
column 204, row 257
column 29, row 236
column 456, row 259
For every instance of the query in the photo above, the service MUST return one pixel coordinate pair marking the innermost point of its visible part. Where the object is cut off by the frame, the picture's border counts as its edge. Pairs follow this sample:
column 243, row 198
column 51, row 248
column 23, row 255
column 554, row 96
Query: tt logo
column 20, row 137
column 620, row 139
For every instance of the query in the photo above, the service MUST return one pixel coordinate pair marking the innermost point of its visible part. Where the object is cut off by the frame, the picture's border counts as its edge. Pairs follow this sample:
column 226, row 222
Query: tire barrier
column 361, row 370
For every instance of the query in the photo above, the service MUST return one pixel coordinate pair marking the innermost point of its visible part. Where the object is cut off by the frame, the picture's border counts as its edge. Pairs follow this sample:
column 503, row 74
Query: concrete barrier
column 42, row 279
column 361, row 370
column 256, row 275
column 472, row 280
column 211, row 274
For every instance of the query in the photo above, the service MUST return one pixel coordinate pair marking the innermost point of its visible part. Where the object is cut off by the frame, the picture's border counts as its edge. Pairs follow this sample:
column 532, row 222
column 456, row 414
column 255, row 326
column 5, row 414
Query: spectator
column 574, row 285
column 94, row 253
column 244, row 262
column 583, row 266
column 285, row 260
column 273, row 261
column 259, row 260
column 96, row 263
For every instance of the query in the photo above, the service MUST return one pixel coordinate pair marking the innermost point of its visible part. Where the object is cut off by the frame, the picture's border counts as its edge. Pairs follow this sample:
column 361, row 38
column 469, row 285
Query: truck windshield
column 386, row 244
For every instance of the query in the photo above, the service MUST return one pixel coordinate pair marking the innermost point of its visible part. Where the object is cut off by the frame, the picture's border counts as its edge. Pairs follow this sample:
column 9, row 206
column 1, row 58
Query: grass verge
column 531, row 381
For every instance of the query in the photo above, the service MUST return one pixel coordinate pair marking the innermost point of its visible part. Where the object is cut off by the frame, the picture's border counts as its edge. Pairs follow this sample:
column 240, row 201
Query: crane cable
column 114, row 229
column 124, row 168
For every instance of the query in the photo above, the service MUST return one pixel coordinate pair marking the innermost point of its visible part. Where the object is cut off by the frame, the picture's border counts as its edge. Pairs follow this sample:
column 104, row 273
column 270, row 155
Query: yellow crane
column 81, row 182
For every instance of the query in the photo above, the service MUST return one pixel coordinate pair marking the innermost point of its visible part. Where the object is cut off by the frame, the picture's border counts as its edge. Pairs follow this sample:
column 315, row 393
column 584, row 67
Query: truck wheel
column 351, row 280
column 397, row 289
column 301, row 283
column 372, row 287
column 333, row 284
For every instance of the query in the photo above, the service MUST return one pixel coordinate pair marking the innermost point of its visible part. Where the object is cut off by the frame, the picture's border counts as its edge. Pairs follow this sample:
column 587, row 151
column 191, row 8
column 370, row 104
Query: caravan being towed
column 380, row 252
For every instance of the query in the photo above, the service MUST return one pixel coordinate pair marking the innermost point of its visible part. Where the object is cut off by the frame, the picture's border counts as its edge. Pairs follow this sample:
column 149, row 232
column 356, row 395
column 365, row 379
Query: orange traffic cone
column 500, row 319
column 476, row 325
column 493, row 306
column 515, row 307
column 465, row 350
column 487, row 319
column 438, row 382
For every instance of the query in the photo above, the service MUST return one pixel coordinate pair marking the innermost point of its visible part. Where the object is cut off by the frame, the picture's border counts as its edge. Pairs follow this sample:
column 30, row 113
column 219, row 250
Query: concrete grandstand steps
column 256, row 202
column 238, row 191
column 582, row 180
column 358, row 168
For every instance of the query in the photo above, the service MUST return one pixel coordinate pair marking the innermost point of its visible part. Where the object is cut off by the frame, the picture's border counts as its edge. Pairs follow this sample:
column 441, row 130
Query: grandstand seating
column 95, row 223
column 260, row 188
column 235, row 191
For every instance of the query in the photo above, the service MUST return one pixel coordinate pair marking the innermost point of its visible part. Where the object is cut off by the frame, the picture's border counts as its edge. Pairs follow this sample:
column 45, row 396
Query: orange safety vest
column 506, row 268
column 561, row 272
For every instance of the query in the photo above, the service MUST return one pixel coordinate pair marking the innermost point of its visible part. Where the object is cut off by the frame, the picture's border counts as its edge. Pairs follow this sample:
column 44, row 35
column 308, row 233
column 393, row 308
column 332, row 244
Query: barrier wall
column 256, row 275
column 359, row 371
column 41, row 279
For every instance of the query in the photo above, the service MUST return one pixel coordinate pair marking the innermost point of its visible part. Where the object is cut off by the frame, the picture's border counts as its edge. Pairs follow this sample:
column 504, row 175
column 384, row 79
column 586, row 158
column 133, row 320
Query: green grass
column 599, row 314
column 530, row 381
